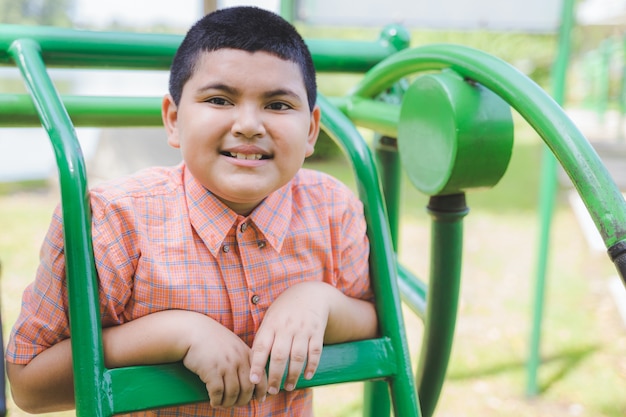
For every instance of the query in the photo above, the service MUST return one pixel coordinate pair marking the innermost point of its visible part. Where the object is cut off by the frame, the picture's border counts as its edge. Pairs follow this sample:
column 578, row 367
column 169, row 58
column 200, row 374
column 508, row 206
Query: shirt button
column 261, row 244
column 255, row 299
column 243, row 227
column 226, row 248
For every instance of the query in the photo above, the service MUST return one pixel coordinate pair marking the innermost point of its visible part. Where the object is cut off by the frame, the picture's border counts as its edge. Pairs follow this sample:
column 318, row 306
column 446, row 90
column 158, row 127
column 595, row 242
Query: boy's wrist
column 159, row 337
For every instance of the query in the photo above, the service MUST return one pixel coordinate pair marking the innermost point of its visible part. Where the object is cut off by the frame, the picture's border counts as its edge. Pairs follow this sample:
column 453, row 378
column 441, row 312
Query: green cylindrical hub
column 453, row 134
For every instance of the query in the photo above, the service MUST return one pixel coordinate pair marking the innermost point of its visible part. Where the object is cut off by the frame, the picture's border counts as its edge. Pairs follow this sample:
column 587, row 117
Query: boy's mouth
column 247, row 156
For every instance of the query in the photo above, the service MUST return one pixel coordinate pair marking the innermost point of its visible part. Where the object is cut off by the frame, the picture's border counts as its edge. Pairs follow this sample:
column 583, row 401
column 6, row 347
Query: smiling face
column 243, row 125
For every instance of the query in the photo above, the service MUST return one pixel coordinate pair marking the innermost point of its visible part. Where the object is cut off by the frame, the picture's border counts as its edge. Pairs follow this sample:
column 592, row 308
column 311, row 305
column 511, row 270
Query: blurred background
column 583, row 350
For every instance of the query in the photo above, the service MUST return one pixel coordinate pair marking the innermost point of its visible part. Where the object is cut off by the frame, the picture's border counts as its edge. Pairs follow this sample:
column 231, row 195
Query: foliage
column 37, row 12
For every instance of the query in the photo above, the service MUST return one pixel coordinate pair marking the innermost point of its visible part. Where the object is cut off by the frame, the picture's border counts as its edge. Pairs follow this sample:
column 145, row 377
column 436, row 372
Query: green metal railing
column 101, row 391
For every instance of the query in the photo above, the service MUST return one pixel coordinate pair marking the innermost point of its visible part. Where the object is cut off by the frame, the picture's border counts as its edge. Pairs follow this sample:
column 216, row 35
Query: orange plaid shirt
column 162, row 241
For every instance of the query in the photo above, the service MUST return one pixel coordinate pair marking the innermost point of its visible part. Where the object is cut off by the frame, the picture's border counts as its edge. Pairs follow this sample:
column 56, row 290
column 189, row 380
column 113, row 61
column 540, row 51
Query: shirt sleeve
column 43, row 319
column 44, row 316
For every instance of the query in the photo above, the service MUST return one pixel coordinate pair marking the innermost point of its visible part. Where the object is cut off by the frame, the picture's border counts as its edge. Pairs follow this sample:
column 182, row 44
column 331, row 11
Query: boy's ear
column 169, row 114
column 314, row 130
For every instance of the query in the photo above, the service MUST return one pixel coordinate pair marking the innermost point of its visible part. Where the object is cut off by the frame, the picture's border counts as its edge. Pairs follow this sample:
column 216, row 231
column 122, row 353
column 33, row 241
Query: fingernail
column 289, row 387
column 254, row 379
column 272, row 391
column 308, row 375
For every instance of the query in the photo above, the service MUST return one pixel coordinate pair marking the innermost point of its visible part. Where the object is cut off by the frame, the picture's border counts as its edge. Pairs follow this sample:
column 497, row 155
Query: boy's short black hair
column 245, row 28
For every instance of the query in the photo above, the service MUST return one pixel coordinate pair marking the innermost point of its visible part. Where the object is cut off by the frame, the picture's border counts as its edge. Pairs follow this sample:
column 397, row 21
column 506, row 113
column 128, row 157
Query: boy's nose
column 248, row 122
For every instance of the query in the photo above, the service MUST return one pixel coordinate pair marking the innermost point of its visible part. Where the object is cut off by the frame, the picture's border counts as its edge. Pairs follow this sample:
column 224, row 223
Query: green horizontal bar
column 376, row 115
column 92, row 49
column 18, row 110
column 137, row 387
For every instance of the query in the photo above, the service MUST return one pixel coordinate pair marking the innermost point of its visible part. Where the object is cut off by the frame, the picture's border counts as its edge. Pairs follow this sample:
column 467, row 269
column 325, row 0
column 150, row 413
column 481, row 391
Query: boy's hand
column 222, row 361
column 292, row 334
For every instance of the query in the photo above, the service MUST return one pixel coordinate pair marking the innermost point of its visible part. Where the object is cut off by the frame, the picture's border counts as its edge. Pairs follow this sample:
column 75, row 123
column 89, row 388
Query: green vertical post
column 622, row 92
column 376, row 402
column 547, row 197
column 604, row 93
column 447, row 213
column 388, row 160
column 88, row 360
column 288, row 10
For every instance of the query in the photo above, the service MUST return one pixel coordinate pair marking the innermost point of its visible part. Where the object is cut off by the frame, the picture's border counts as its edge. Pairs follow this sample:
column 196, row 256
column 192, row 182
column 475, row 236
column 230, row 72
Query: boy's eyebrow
column 218, row 86
column 282, row 92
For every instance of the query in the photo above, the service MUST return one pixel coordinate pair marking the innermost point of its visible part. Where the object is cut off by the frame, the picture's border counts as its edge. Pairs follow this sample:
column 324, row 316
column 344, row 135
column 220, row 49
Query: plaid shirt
column 161, row 241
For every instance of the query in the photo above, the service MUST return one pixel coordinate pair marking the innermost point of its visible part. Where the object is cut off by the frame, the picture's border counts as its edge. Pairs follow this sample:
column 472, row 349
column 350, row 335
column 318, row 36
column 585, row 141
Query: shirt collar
column 212, row 219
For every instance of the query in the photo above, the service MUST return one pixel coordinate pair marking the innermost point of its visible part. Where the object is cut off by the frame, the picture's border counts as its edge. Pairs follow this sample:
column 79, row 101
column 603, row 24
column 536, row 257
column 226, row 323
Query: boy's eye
column 278, row 106
column 218, row 101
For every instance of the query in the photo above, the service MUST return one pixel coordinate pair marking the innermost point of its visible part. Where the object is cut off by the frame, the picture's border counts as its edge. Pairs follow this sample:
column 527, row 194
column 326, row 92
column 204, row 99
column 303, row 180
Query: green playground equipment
column 450, row 130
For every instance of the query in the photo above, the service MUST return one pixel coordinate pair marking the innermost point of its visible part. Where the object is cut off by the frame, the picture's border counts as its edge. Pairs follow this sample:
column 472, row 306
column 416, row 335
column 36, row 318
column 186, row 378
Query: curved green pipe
column 382, row 257
column 84, row 313
column 593, row 182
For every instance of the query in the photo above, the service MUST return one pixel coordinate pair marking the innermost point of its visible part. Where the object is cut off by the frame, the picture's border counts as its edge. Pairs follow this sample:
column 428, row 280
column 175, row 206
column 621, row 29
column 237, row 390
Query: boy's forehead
column 216, row 61
column 234, row 53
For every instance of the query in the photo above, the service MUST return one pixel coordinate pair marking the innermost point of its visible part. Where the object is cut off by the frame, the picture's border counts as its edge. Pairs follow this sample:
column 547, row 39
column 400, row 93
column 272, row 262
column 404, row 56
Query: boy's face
column 243, row 125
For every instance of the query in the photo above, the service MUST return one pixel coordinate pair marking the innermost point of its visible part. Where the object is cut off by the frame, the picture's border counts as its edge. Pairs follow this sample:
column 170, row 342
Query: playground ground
column 584, row 338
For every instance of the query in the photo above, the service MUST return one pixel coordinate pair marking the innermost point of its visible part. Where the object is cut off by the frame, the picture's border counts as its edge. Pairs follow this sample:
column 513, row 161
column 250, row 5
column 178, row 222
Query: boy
column 234, row 256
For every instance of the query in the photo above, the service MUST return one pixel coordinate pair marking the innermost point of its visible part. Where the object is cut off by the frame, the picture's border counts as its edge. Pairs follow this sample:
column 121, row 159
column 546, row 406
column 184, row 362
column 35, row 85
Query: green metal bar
column 288, row 10
column 143, row 387
column 89, row 49
column 604, row 78
column 88, row 360
column 390, row 175
column 376, row 402
column 382, row 256
column 547, row 197
column 413, row 291
column 447, row 213
column 18, row 110
column 622, row 93
column 77, row 48
column 593, row 182
column 371, row 114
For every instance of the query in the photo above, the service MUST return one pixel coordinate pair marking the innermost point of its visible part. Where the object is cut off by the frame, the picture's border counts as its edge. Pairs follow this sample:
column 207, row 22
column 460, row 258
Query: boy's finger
column 258, row 358
column 215, row 389
column 246, row 389
column 278, row 362
column 260, row 389
column 315, row 353
column 297, row 358
column 231, row 389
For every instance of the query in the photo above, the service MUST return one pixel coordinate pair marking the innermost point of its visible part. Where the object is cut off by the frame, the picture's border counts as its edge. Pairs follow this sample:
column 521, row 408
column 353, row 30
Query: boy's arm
column 297, row 325
column 350, row 319
column 46, row 383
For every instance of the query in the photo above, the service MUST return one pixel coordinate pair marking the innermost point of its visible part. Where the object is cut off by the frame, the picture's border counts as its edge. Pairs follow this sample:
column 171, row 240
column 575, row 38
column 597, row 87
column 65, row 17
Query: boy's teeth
column 254, row 156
